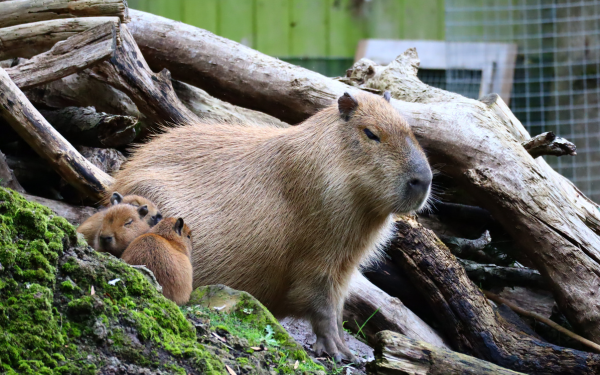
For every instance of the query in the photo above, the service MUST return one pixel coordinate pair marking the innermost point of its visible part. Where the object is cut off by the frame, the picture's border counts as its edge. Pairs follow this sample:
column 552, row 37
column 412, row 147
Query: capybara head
column 176, row 232
column 122, row 224
column 154, row 215
column 387, row 165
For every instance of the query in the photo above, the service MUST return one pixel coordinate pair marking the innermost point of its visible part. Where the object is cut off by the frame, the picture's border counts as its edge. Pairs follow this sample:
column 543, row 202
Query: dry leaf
column 296, row 365
column 92, row 291
column 230, row 371
column 256, row 348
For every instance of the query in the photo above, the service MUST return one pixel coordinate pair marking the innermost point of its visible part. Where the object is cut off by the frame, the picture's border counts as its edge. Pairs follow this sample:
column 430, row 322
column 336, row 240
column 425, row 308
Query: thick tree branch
column 549, row 144
column 493, row 275
column 18, row 12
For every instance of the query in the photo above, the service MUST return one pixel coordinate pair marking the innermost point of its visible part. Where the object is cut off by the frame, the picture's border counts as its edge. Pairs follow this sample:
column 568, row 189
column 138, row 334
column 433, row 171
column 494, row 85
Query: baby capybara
column 121, row 224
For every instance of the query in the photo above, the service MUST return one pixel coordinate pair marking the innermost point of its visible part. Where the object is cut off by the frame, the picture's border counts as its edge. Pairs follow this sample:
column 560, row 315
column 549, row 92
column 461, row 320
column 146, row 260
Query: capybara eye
column 129, row 222
column 371, row 136
column 189, row 236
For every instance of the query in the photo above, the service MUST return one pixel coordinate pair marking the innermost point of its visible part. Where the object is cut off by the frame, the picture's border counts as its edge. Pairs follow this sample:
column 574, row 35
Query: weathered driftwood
column 499, row 300
column 85, row 126
column 34, row 38
column 550, row 220
column 367, row 304
column 549, row 144
column 7, row 177
column 466, row 248
column 497, row 276
column 70, row 56
column 18, row 12
column 152, row 93
column 47, row 142
column 396, row 354
column 470, row 322
column 74, row 214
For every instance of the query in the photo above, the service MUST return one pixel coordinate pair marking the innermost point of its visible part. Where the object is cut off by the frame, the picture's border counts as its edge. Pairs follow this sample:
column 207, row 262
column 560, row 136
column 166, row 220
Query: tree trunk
column 470, row 322
column 18, row 12
column 48, row 143
column 75, row 54
column 550, row 220
column 396, row 354
column 34, row 38
column 374, row 310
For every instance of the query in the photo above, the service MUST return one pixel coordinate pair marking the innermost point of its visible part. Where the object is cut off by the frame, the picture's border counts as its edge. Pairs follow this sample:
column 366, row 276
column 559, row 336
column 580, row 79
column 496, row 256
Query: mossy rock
column 66, row 309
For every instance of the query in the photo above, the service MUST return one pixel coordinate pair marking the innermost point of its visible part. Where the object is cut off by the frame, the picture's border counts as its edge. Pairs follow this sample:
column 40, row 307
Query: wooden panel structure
column 306, row 28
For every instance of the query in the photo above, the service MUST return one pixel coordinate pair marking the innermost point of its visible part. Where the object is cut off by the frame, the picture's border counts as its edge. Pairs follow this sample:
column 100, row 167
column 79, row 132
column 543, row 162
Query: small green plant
column 360, row 328
column 268, row 338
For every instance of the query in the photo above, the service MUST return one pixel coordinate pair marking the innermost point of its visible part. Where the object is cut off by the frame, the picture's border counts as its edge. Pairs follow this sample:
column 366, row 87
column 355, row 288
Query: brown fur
column 89, row 228
column 286, row 214
column 122, row 223
column 166, row 253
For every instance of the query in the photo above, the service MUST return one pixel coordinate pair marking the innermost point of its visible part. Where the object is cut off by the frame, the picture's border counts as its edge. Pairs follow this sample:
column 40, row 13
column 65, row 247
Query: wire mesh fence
column 557, row 72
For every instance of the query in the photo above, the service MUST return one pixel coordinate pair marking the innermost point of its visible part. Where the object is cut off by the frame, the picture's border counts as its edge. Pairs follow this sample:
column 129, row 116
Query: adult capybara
column 287, row 214
column 166, row 251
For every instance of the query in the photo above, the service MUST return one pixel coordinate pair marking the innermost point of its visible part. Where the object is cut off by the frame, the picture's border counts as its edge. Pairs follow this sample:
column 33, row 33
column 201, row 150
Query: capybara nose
column 105, row 240
column 420, row 183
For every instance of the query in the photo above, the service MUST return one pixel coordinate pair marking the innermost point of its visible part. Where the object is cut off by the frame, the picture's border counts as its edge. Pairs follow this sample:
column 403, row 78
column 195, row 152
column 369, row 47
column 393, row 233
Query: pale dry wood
column 396, row 354
column 32, row 39
column 70, row 56
column 368, row 304
column 549, row 144
column 549, row 219
column 48, row 143
column 74, row 214
column 18, row 12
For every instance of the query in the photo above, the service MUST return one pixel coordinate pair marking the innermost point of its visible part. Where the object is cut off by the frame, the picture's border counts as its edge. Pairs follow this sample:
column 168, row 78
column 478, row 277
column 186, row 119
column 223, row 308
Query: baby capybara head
column 387, row 164
column 154, row 215
column 122, row 224
column 177, row 232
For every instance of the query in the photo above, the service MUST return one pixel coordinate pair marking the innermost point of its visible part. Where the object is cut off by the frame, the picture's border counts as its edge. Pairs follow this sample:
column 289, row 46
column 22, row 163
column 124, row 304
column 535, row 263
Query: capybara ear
column 143, row 211
column 178, row 226
column 387, row 96
column 116, row 198
column 347, row 104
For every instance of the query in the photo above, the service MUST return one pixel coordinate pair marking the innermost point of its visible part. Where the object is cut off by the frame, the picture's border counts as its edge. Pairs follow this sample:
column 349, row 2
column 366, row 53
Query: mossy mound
column 65, row 309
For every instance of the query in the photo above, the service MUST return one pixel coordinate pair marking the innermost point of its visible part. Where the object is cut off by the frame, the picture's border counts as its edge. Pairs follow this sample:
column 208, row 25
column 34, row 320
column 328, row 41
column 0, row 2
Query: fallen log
column 85, row 126
column 47, row 142
column 7, row 177
column 32, row 39
column 549, row 219
column 492, row 275
column 397, row 354
column 18, row 12
column 371, row 310
column 471, row 324
column 77, row 53
column 74, row 214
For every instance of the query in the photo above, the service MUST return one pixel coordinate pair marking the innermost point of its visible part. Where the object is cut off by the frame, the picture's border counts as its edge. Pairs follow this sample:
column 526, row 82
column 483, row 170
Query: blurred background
column 541, row 56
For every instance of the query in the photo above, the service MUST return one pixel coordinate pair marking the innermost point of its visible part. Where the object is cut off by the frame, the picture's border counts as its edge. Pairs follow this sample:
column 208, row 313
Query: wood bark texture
column 549, row 144
column 47, row 142
column 77, row 53
column 497, row 276
column 396, row 354
column 368, row 304
column 470, row 323
column 74, row 214
column 551, row 221
column 17, row 12
column 34, row 38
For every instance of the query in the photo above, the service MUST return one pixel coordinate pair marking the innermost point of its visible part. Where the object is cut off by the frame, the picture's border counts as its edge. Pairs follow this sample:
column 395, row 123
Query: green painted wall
column 306, row 28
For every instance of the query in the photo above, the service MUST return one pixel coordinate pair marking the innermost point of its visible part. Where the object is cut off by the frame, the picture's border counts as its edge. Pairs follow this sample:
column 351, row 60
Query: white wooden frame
column 495, row 60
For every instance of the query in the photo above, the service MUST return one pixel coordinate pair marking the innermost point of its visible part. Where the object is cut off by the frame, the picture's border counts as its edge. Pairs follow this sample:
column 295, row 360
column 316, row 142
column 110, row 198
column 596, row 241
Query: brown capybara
column 122, row 223
column 166, row 251
column 288, row 214
column 89, row 228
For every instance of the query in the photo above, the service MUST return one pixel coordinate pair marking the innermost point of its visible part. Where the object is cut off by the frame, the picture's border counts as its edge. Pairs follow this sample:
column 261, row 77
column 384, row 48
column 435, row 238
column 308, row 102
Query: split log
column 74, row 214
column 85, row 126
column 67, row 57
column 370, row 306
column 492, row 275
column 549, row 219
column 471, row 324
column 7, row 177
column 549, row 144
column 47, row 142
column 32, row 39
column 397, row 354
column 18, row 12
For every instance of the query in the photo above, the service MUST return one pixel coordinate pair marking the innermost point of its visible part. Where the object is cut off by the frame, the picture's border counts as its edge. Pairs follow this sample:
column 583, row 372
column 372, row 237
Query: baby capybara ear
column 387, row 96
column 178, row 226
column 143, row 211
column 347, row 104
column 116, row 198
